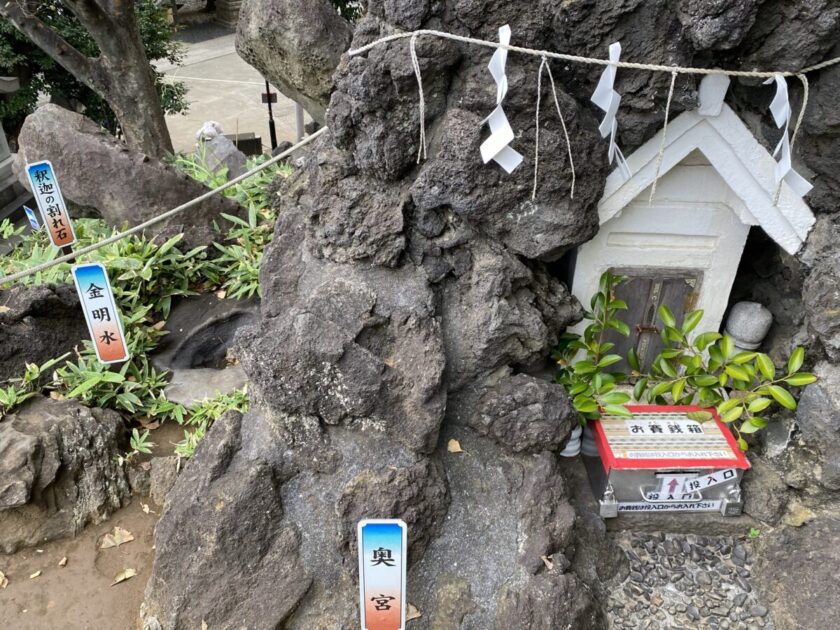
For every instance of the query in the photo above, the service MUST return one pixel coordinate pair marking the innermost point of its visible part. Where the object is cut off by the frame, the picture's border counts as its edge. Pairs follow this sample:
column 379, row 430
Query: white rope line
column 805, row 90
column 537, row 132
column 162, row 217
column 421, row 150
column 544, row 64
column 589, row 60
column 661, row 154
column 565, row 131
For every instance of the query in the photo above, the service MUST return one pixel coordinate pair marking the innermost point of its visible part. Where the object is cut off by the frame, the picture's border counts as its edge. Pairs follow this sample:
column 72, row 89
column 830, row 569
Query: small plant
column 139, row 443
column 753, row 533
column 239, row 263
column 203, row 414
column 583, row 359
column 8, row 229
column 703, row 370
column 21, row 389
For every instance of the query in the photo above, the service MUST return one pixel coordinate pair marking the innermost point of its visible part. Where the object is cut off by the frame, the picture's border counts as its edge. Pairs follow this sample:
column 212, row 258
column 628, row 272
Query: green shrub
column 702, row 369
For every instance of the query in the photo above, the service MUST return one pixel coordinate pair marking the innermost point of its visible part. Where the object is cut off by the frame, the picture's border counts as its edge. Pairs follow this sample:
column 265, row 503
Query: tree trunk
column 131, row 91
column 121, row 75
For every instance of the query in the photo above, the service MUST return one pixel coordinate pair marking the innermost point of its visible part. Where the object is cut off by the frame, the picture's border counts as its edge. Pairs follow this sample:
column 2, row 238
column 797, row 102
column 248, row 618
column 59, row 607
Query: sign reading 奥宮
column 101, row 314
column 382, row 568
column 51, row 203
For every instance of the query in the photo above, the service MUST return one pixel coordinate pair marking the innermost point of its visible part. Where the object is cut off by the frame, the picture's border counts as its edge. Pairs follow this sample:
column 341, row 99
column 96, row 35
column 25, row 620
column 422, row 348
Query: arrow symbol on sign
column 673, row 486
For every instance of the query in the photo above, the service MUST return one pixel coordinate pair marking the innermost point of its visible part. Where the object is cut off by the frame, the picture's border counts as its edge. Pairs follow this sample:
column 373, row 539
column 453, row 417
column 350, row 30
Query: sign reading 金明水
column 382, row 562
column 101, row 314
column 51, row 203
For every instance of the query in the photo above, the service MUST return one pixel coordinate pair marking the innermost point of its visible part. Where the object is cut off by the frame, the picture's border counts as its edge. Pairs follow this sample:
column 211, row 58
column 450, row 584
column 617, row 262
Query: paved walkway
column 222, row 87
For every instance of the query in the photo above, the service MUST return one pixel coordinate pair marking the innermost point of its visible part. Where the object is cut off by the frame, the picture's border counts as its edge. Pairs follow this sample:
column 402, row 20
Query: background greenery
column 39, row 74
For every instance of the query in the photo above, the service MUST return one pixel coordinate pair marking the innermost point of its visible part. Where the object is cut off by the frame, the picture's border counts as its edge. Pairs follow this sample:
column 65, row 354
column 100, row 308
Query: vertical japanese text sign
column 101, row 314
column 51, row 203
column 382, row 560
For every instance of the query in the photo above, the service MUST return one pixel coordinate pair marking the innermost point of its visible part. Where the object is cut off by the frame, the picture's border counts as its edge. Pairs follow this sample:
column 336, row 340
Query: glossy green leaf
column 666, row 315
column 618, row 410
column 639, row 388
column 759, row 404
column 797, row 358
column 801, row 378
column 737, row 372
column 691, row 320
column 782, row 396
column 765, row 366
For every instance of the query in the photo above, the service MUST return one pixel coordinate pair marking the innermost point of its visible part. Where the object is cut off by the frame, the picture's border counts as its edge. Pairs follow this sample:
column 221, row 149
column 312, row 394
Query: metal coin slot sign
column 101, row 314
column 51, row 203
column 382, row 569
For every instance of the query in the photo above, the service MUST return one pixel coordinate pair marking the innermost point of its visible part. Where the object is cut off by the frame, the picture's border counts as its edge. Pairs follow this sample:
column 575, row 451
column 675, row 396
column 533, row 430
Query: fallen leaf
column 4, row 581
column 116, row 538
column 149, row 424
column 63, row 562
column 454, row 446
column 122, row 576
column 221, row 293
column 412, row 613
column 203, row 625
column 34, row 575
column 159, row 324
column 146, row 508
column 548, row 562
column 4, row 309
column 56, row 396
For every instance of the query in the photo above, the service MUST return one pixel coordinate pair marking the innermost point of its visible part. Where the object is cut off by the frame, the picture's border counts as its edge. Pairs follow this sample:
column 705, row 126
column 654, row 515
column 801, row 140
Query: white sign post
column 383, row 548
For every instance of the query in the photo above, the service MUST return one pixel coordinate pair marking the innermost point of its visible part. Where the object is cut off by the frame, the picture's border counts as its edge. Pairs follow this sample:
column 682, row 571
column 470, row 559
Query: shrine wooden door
column 644, row 291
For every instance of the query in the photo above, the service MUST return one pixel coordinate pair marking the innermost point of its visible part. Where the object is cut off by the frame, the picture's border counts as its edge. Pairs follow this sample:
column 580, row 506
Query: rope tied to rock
column 421, row 150
column 161, row 217
column 660, row 156
column 760, row 74
column 544, row 64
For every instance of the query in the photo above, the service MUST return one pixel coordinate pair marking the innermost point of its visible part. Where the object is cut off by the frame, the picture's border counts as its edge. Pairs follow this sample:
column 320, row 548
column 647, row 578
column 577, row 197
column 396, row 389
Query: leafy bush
column 702, row 370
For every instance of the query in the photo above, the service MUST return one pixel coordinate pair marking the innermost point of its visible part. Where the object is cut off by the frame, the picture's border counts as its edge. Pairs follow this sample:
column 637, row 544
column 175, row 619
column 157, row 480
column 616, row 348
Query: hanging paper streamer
column 780, row 108
column 607, row 99
column 501, row 133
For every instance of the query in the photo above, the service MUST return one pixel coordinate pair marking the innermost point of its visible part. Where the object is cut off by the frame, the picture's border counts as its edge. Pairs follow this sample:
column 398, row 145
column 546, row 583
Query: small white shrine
column 684, row 247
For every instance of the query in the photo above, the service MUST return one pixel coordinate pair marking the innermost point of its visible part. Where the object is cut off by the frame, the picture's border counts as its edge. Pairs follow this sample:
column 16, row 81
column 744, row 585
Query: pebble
column 715, row 596
column 758, row 611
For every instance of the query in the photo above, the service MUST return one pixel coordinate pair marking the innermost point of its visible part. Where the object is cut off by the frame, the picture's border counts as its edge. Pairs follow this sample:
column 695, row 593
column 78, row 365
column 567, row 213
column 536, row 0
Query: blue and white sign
column 51, row 203
column 33, row 220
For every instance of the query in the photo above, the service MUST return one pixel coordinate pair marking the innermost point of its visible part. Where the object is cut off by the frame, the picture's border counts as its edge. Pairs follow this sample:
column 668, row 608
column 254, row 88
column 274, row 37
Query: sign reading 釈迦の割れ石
column 383, row 546
column 101, row 314
column 51, row 203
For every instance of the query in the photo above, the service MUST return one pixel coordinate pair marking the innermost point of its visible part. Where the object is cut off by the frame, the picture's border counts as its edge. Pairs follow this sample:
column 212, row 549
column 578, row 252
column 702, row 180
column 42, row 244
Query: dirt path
column 79, row 596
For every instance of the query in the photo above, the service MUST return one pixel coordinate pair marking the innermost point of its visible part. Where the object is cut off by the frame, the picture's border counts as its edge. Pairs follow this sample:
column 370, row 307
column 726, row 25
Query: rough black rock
column 38, row 324
column 407, row 303
column 58, row 470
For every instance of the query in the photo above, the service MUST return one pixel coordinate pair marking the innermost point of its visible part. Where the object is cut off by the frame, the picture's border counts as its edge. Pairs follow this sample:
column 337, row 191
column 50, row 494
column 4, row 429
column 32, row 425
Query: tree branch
column 82, row 67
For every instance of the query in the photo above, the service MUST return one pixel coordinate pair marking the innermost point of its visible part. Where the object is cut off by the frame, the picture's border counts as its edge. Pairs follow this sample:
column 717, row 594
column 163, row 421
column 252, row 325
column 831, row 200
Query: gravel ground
column 686, row 582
